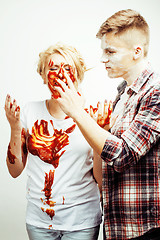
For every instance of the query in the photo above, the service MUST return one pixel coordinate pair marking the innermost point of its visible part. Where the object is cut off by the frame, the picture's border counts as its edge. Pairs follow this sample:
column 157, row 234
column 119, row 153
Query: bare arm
column 16, row 157
column 97, row 169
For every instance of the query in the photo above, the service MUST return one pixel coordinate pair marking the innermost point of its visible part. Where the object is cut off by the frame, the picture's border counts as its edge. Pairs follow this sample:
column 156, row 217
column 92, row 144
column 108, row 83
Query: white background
column 28, row 27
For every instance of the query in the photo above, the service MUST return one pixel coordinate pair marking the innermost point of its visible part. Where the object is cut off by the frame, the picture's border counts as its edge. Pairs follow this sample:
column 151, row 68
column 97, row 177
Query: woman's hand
column 13, row 114
column 16, row 157
column 102, row 114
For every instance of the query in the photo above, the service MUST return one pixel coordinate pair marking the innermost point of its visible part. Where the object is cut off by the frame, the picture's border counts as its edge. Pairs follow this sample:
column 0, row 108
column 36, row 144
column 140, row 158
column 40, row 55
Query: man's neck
column 135, row 71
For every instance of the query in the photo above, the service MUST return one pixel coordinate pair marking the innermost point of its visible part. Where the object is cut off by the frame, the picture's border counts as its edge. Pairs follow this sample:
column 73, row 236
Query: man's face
column 117, row 56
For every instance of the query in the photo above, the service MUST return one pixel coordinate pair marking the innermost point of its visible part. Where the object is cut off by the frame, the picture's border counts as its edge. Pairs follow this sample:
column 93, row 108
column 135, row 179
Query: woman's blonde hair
column 69, row 53
column 124, row 21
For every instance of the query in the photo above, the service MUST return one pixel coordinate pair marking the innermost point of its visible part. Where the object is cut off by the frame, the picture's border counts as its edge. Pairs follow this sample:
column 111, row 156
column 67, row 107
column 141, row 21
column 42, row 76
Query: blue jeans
column 36, row 233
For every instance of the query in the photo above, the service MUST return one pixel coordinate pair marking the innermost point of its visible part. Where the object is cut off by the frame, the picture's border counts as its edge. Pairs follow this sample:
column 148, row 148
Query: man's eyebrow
column 110, row 48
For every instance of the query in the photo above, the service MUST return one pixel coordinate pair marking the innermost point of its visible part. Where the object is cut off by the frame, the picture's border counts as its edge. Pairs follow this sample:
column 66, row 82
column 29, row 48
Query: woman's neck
column 54, row 109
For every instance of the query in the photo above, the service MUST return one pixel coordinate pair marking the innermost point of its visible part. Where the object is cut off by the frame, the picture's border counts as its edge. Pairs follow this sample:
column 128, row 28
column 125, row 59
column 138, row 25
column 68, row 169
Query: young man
column 131, row 150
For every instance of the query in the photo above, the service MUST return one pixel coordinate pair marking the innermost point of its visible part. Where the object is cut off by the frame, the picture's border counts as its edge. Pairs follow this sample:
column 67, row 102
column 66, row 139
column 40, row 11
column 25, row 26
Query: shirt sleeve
column 23, row 116
column 139, row 138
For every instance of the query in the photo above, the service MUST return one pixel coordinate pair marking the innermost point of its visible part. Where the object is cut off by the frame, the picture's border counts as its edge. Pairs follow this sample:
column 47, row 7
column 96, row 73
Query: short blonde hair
column 69, row 53
column 126, row 20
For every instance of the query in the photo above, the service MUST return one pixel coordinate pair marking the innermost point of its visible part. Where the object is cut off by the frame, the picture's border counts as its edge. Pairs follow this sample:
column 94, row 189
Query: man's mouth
column 108, row 68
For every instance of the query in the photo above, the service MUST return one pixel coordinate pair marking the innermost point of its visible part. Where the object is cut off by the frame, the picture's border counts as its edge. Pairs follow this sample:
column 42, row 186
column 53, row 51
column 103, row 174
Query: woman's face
column 56, row 67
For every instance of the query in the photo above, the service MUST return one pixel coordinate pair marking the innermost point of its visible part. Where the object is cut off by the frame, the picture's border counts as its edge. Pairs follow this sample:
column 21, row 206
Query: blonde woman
column 63, row 197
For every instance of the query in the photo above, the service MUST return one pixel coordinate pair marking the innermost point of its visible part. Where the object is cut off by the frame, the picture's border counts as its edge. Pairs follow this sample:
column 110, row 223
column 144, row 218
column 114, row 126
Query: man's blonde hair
column 127, row 21
column 69, row 53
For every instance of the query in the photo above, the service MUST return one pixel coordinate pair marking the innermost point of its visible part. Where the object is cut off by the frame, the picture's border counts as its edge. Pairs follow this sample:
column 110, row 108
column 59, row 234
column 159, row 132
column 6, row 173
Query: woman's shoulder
column 34, row 105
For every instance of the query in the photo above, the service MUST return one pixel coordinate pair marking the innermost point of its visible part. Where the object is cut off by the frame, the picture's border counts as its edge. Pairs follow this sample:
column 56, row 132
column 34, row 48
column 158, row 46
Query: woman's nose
column 60, row 73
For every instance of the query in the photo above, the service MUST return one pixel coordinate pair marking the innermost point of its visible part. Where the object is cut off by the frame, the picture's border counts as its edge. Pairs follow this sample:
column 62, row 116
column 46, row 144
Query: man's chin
column 112, row 75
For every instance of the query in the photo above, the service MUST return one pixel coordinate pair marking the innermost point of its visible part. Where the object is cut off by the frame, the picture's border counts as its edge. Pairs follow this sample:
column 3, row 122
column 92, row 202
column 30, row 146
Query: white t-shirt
column 73, row 190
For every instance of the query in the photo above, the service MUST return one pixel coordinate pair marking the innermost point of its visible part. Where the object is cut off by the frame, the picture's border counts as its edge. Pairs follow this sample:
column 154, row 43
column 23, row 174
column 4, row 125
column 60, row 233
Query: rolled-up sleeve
column 143, row 132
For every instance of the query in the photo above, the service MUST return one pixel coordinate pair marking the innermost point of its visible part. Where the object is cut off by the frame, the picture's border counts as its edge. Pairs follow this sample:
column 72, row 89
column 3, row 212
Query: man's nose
column 104, row 58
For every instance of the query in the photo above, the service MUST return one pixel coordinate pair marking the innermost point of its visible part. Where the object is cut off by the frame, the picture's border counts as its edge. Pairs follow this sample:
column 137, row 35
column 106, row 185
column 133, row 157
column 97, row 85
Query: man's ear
column 138, row 52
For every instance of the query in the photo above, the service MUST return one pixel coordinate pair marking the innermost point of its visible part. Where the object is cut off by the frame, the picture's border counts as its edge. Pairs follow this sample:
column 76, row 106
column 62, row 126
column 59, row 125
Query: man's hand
column 71, row 101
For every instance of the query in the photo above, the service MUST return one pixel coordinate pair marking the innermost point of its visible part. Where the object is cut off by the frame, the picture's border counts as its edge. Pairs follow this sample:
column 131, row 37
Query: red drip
column 24, row 146
column 50, row 212
column 49, row 178
column 71, row 129
column 11, row 157
column 67, row 117
column 63, row 200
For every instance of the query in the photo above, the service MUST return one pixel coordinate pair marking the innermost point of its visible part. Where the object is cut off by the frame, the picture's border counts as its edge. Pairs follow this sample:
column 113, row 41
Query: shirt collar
column 121, row 87
column 141, row 80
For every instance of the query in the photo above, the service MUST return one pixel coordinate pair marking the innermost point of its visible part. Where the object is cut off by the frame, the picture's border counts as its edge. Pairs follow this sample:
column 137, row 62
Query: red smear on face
column 53, row 76
column 50, row 64
column 45, row 146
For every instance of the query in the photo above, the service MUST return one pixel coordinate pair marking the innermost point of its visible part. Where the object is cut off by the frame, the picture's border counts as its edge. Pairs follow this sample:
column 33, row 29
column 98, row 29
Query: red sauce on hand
column 101, row 120
column 11, row 157
column 105, row 121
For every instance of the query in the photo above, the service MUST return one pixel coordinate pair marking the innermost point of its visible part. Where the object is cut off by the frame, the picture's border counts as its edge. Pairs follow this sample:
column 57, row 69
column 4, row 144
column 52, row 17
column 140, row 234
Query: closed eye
column 53, row 69
column 67, row 67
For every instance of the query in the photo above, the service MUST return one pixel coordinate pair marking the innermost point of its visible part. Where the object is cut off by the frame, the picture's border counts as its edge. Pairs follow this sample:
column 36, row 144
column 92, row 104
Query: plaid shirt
column 130, row 163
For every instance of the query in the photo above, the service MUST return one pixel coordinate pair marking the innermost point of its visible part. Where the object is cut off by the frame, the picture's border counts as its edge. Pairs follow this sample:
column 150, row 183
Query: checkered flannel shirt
column 131, row 155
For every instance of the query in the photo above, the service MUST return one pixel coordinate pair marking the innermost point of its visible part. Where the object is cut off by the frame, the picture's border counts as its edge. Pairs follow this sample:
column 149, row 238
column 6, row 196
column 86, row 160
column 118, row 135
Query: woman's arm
column 97, row 169
column 16, row 156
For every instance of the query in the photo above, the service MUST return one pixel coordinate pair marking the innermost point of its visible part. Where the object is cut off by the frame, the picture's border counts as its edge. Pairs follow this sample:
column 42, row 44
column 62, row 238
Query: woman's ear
column 138, row 52
column 44, row 80
column 43, row 76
